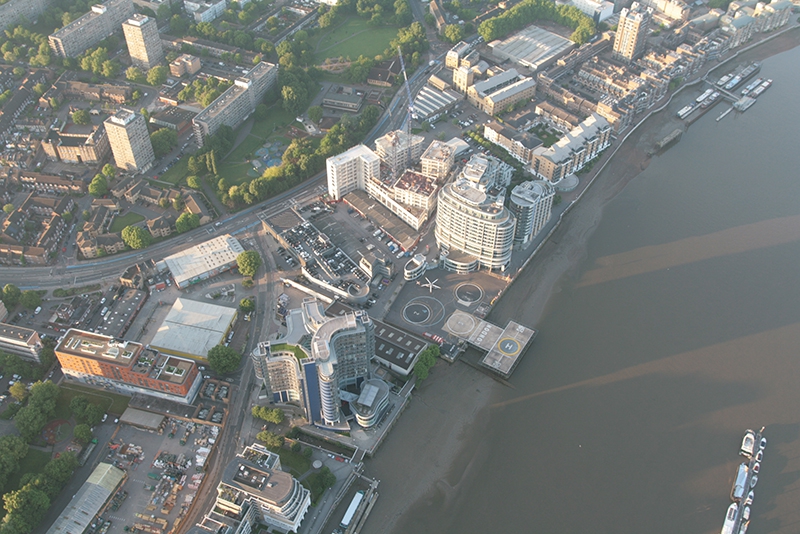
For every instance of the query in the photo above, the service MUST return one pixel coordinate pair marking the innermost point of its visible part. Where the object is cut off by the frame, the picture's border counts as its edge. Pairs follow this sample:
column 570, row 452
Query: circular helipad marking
column 508, row 346
column 468, row 293
column 423, row 311
column 461, row 324
column 416, row 313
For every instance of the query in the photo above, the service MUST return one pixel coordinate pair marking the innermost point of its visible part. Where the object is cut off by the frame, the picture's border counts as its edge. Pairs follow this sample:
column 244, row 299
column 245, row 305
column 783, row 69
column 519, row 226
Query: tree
column 9, row 208
column 164, row 140
column 248, row 261
column 12, row 450
column 315, row 113
column 19, row 391
column 272, row 441
column 157, row 75
column 136, row 237
column 78, row 406
column 196, row 165
column 187, row 221
column 247, row 305
column 93, row 415
column 248, row 283
column 109, row 171
column 178, row 204
column 163, row 12
column 194, row 182
column 11, row 296
column 59, row 470
column 453, row 33
column 99, row 186
column 86, row 214
column 163, row 203
column 28, row 504
column 30, row 299
column 30, row 422
column 83, row 433
column 223, row 359
column 81, row 116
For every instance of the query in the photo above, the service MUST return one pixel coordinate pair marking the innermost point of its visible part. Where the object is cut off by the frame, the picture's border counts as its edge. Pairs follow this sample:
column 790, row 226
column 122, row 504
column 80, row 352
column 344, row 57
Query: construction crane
column 411, row 113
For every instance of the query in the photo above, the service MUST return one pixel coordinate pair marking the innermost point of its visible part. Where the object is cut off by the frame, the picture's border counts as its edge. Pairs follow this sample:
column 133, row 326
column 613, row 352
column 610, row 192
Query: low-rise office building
column 126, row 367
column 343, row 99
column 91, row 148
column 185, row 64
column 23, row 342
column 495, row 94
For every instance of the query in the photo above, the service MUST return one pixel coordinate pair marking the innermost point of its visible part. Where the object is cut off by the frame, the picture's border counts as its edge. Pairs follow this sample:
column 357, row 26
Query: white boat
column 748, row 443
column 737, row 491
column 730, row 519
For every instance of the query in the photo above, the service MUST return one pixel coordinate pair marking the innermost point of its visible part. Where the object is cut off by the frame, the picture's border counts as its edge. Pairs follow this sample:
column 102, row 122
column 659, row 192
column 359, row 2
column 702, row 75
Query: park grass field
column 353, row 38
column 112, row 402
column 121, row 221
column 178, row 172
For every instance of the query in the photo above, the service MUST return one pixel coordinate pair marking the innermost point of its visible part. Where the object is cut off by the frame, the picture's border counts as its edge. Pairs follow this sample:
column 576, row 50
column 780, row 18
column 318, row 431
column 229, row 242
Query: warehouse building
column 202, row 261
column 192, row 328
column 90, row 500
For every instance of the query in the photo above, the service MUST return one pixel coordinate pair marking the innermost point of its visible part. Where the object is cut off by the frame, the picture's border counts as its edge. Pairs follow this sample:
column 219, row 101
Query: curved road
column 75, row 273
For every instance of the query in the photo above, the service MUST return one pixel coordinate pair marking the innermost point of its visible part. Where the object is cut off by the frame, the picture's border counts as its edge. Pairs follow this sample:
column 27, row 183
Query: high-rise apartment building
column 631, row 33
column 87, row 30
column 126, row 367
column 237, row 103
column 351, row 170
column 474, row 229
column 144, row 42
column 130, row 141
column 314, row 378
column 531, row 203
column 398, row 150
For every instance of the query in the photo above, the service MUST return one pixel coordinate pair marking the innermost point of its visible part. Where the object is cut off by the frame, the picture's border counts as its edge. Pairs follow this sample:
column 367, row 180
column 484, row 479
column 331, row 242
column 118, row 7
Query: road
column 72, row 273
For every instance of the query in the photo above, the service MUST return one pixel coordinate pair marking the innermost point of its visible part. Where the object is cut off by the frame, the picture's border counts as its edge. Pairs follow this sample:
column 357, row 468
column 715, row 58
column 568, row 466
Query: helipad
column 503, row 346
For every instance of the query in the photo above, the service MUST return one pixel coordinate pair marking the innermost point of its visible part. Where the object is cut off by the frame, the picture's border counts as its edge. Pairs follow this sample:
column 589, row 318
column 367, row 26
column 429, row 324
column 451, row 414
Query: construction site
column 164, row 471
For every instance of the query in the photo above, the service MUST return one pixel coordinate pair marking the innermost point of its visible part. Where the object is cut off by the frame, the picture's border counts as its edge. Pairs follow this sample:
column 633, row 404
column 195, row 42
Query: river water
column 677, row 330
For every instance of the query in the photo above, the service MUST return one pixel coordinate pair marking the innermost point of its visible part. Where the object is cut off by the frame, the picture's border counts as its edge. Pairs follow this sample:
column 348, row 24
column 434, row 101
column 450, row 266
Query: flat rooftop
column 203, row 258
column 416, row 183
column 532, row 47
column 17, row 334
column 99, row 347
column 438, row 151
column 273, row 486
column 504, row 346
column 123, row 309
column 192, row 328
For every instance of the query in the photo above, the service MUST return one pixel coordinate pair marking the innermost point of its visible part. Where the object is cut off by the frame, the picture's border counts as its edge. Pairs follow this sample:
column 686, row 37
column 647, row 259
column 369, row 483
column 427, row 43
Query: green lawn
column 112, row 402
column 178, row 172
column 33, row 462
column 277, row 118
column 295, row 461
column 121, row 221
column 353, row 38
